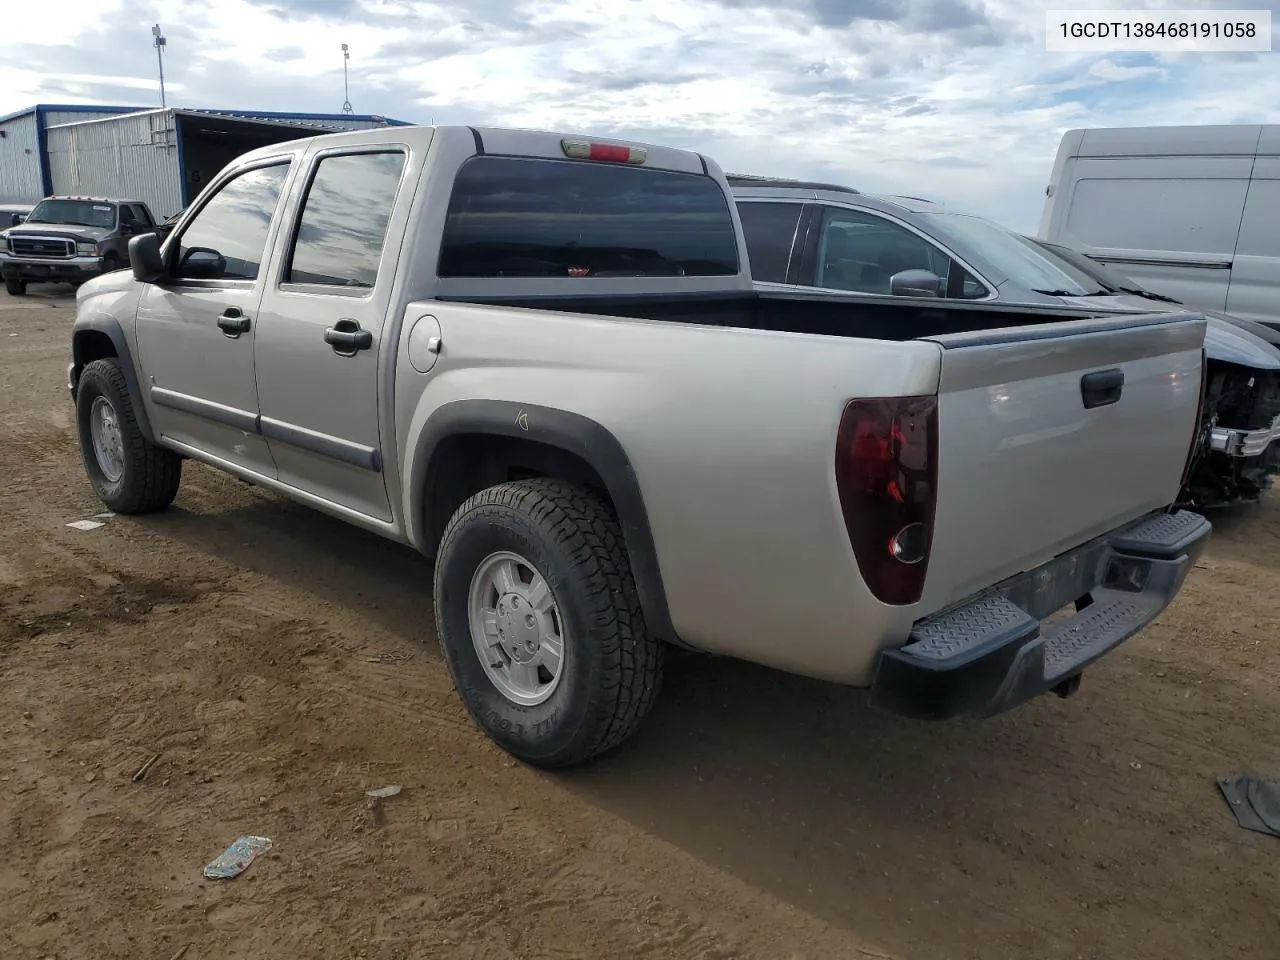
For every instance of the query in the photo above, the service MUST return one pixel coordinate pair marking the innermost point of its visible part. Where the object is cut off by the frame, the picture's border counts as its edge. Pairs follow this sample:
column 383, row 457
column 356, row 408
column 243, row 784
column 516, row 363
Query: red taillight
column 887, row 479
column 1198, row 435
column 603, row 152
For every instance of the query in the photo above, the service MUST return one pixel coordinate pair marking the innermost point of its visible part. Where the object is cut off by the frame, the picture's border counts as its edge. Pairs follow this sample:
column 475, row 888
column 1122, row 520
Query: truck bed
column 792, row 311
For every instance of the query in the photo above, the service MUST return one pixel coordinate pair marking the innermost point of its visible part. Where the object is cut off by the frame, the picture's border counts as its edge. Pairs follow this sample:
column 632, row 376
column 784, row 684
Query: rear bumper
column 990, row 653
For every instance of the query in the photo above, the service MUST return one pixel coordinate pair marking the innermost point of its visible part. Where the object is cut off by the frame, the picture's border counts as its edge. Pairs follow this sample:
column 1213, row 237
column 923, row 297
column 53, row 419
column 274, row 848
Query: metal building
column 24, row 168
column 161, row 157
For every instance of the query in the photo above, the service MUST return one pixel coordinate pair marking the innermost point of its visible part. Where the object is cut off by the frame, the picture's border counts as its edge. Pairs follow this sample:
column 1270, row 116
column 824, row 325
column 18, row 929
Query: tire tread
column 585, row 526
column 155, row 472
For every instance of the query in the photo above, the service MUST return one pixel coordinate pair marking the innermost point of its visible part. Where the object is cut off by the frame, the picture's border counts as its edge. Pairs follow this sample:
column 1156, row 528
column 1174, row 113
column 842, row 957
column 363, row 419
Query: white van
column 1190, row 212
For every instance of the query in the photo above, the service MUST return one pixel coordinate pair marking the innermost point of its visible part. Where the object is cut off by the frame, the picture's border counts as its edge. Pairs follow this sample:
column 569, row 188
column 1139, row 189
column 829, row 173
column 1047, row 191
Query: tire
column 610, row 668
column 145, row 478
column 110, row 263
column 15, row 287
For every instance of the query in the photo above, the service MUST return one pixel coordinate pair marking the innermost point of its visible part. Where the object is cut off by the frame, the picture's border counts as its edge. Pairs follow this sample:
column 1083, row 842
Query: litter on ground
column 233, row 861
column 1255, row 803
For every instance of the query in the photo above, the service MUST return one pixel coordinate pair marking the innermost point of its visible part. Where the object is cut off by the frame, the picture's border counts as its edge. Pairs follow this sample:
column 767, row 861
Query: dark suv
column 70, row 240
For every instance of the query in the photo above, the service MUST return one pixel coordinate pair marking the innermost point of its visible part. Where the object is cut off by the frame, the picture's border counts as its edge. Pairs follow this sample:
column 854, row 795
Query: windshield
column 81, row 213
column 1082, row 263
column 1022, row 261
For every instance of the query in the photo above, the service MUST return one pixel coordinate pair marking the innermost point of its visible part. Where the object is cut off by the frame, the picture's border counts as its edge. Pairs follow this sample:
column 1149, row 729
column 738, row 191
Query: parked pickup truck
column 70, row 240
column 541, row 361
column 867, row 248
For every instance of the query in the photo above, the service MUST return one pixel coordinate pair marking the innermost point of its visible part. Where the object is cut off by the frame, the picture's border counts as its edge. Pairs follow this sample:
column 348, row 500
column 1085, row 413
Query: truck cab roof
column 501, row 141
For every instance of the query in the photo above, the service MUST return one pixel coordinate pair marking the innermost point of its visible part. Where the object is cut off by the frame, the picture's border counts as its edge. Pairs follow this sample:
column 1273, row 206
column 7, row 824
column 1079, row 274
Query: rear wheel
column 129, row 474
column 540, row 623
column 15, row 287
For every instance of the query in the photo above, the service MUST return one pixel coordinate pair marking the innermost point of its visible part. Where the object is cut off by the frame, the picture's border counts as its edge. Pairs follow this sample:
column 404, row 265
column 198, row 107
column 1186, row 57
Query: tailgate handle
column 1101, row 388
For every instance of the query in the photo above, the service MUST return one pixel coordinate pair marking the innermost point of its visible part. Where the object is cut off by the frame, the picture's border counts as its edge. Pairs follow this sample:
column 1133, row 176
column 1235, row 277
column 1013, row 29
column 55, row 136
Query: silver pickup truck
column 541, row 360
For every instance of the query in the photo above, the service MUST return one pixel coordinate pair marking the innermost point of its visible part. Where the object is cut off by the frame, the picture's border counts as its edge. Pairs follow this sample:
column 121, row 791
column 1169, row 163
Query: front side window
column 770, row 230
column 344, row 220
column 521, row 217
column 74, row 213
column 861, row 252
column 228, row 237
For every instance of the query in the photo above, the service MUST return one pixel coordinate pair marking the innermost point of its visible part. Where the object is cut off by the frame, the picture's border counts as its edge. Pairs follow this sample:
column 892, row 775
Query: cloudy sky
column 955, row 100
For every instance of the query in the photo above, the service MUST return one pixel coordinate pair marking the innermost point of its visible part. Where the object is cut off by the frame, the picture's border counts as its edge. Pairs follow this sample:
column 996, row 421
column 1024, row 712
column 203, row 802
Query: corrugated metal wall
column 20, row 161
column 132, row 157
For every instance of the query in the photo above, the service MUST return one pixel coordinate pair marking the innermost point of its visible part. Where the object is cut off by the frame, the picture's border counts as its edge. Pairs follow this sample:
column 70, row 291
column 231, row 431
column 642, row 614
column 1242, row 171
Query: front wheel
column 129, row 474
column 540, row 623
column 15, row 287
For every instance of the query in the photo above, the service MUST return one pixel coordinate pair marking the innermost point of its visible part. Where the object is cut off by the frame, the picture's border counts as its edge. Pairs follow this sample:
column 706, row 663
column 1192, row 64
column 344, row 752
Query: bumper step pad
column 988, row 654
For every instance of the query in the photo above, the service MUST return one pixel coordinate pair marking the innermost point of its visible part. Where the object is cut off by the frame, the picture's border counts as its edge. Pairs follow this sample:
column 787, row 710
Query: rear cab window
column 531, row 217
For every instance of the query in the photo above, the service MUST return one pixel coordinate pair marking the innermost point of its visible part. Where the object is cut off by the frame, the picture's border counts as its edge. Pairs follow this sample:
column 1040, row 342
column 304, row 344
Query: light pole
column 346, row 90
column 159, row 43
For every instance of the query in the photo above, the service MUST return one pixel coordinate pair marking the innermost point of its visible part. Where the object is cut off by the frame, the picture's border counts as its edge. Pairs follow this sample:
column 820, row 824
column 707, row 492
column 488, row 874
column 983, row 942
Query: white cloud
column 949, row 99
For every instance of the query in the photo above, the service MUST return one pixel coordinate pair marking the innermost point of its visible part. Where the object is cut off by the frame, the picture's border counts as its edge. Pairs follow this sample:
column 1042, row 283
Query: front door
column 196, row 332
column 321, row 329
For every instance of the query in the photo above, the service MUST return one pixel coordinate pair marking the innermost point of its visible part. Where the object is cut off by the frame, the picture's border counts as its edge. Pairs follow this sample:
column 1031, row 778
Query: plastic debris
column 382, row 793
column 233, row 861
column 1255, row 803
column 84, row 524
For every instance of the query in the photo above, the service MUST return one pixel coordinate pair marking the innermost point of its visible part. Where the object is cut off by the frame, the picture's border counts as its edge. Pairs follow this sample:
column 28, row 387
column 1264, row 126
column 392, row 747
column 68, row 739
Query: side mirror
column 16, row 219
column 917, row 283
column 126, row 230
column 144, row 257
column 202, row 263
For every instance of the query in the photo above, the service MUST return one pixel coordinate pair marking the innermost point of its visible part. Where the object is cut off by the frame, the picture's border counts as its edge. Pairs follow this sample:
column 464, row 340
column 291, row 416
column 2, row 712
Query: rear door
column 322, row 324
column 1051, row 435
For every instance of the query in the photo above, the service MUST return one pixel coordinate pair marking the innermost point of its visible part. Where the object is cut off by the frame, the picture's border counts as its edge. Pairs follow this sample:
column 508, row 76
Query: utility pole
column 346, row 89
column 159, row 42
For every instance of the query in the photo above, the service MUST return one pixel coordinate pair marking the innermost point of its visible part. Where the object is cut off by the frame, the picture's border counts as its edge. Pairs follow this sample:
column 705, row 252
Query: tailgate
column 1049, row 435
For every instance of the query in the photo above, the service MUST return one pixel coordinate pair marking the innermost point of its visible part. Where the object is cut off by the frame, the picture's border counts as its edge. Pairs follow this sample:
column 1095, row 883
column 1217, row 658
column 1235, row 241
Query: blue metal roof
column 307, row 117
column 70, row 107
column 241, row 114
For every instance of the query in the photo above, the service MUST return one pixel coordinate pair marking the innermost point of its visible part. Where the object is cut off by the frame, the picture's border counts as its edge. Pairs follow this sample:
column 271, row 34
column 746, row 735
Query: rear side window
column 770, row 229
column 518, row 217
column 344, row 220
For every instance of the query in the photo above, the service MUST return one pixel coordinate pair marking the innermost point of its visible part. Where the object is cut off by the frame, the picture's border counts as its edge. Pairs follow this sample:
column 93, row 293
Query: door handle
column 232, row 322
column 1101, row 388
column 347, row 338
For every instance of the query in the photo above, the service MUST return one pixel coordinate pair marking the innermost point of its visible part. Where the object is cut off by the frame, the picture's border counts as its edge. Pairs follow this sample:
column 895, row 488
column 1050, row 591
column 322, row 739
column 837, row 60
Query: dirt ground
column 280, row 664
